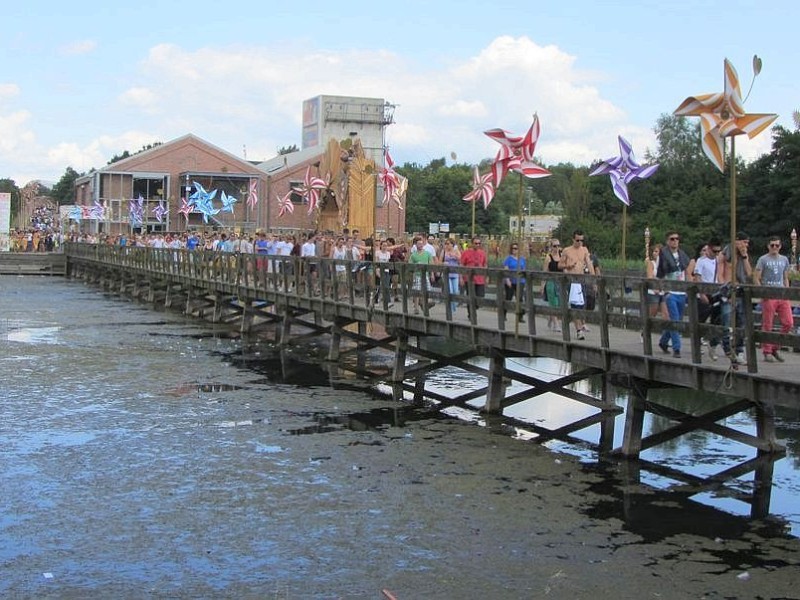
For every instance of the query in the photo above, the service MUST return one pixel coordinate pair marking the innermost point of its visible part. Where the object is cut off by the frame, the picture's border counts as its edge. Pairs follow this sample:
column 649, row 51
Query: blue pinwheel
column 227, row 202
column 136, row 209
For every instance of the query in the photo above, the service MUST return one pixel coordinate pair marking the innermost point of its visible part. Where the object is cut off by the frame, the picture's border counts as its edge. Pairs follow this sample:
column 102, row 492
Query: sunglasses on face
column 675, row 238
column 580, row 240
column 774, row 245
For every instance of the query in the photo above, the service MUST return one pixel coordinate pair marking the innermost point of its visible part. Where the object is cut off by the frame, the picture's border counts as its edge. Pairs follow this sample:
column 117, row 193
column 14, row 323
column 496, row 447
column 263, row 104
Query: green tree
column 128, row 154
column 287, row 149
column 10, row 186
column 63, row 191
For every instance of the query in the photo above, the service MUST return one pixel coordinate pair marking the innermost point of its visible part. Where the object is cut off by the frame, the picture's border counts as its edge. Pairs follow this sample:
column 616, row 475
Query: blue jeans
column 452, row 280
column 725, row 321
column 676, row 305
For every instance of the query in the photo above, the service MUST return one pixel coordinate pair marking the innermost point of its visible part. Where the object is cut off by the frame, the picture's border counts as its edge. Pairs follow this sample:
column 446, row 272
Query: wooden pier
column 32, row 263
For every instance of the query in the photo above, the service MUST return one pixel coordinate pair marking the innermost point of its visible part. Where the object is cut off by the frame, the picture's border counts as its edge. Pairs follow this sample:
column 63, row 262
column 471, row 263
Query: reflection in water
column 708, row 468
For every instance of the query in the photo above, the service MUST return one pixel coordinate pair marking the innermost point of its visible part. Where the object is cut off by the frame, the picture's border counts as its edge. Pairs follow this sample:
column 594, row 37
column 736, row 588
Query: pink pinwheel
column 185, row 208
column 722, row 115
column 252, row 194
column 623, row 169
column 389, row 179
column 516, row 153
column 285, row 204
column 311, row 188
column 482, row 187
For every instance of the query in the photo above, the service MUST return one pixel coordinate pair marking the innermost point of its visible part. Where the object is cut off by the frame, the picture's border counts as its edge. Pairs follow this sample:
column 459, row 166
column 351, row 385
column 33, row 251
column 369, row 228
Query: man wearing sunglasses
column 772, row 270
column 674, row 265
column 576, row 259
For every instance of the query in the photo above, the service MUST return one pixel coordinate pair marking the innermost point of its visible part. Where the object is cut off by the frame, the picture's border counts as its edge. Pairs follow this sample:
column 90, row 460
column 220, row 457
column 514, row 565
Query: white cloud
column 78, row 47
column 8, row 90
column 141, row 97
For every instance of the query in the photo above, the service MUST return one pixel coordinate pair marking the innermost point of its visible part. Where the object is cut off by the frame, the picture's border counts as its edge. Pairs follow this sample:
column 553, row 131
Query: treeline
column 687, row 193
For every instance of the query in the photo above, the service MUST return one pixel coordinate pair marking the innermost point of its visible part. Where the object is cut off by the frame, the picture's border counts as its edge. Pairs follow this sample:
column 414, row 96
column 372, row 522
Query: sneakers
column 580, row 335
column 677, row 354
column 773, row 357
column 740, row 358
column 664, row 347
column 713, row 353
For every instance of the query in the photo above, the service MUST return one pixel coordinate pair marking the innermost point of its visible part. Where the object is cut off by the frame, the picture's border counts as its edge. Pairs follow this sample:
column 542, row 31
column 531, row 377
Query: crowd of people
column 711, row 264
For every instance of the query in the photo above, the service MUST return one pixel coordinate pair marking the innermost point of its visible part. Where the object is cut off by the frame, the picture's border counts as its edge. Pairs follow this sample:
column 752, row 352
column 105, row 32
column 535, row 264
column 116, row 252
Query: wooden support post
column 765, row 426
column 400, row 355
column 286, row 329
column 361, row 355
column 609, row 396
column 762, row 490
column 634, row 419
column 336, row 341
column 495, row 391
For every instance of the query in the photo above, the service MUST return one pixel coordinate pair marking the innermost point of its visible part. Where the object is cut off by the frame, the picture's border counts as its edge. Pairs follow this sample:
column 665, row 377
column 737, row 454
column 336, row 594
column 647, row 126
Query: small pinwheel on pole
column 722, row 115
column 516, row 154
column 622, row 170
column 482, row 189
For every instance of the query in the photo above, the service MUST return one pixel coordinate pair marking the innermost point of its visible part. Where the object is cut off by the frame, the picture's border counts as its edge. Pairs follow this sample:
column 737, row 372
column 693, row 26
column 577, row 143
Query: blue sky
column 84, row 81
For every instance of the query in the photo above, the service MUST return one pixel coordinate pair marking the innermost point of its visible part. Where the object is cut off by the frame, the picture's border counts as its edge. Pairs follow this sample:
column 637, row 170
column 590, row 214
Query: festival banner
column 5, row 221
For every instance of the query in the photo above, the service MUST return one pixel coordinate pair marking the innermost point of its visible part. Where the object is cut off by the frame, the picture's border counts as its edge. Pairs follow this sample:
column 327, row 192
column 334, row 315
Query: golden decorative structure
column 647, row 243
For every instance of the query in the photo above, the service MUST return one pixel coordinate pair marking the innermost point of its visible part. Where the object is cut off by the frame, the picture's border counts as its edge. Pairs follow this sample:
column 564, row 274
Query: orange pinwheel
column 722, row 115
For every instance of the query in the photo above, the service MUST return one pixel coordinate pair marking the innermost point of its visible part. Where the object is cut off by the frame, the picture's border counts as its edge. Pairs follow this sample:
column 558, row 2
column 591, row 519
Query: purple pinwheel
column 227, row 202
column 98, row 211
column 516, row 153
column 160, row 210
column 482, row 187
column 136, row 209
column 623, row 169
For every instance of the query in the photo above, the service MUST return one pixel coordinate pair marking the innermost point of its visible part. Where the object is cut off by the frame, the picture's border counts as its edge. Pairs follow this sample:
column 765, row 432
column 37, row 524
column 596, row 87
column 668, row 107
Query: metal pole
column 734, row 252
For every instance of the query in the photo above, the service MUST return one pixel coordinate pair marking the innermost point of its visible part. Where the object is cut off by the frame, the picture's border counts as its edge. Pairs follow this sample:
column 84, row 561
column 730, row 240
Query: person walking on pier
column 744, row 273
column 552, row 290
column 420, row 256
column 451, row 256
column 575, row 259
column 514, row 281
column 474, row 256
column 674, row 265
column 772, row 269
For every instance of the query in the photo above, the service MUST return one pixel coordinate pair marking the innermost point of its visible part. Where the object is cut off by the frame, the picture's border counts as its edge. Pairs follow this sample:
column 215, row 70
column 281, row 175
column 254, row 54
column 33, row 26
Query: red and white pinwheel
column 252, row 193
column 482, row 187
column 311, row 188
column 516, row 153
column 285, row 204
column 389, row 179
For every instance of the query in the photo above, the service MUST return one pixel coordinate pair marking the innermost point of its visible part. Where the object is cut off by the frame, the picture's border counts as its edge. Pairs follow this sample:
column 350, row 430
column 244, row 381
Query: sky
column 84, row 81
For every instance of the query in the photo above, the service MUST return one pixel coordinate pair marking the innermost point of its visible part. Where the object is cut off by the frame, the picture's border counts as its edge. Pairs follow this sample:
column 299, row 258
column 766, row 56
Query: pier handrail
column 621, row 300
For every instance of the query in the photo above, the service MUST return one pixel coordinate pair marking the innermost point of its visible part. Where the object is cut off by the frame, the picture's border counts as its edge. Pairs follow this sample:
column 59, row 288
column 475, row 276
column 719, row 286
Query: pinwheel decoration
column 482, row 188
column 623, row 169
column 98, row 211
column 75, row 213
column 285, row 204
column 159, row 211
column 227, row 202
column 252, row 193
column 722, row 115
column 516, row 153
column 311, row 188
column 202, row 201
column 136, row 209
column 185, row 208
column 389, row 179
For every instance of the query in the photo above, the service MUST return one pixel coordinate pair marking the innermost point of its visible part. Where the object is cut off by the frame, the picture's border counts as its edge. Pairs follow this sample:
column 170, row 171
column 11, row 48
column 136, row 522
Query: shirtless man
column 575, row 259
